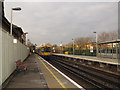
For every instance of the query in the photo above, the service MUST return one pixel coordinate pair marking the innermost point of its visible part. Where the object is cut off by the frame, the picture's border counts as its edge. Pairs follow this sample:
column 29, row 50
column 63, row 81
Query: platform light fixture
column 15, row 41
column 26, row 33
column 73, row 46
column 15, row 9
column 61, row 45
column 77, row 46
column 96, row 44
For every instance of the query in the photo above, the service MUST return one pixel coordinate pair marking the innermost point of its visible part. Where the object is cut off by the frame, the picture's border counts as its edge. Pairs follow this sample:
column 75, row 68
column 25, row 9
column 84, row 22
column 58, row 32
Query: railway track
column 91, row 77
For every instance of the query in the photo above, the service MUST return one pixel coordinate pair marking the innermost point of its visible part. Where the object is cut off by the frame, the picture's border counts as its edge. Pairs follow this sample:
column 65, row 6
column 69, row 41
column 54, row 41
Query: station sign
column 91, row 49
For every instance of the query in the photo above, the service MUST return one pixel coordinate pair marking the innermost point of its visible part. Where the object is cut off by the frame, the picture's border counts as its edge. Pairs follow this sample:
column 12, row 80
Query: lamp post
column 16, row 9
column 61, row 48
column 73, row 47
column 96, row 44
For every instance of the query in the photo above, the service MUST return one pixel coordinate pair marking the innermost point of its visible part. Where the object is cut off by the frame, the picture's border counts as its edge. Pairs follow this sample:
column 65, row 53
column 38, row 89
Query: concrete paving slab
column 52, row 82
column 91, row 58
column 32, row 77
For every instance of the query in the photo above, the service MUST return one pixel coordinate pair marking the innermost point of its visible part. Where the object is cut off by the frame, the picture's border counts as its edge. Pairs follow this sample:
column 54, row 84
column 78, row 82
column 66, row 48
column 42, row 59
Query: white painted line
column 64, row 75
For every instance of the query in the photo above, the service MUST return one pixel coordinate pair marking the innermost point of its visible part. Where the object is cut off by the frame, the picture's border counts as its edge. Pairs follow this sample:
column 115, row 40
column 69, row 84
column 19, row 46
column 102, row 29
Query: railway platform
column 91, row 58
column 113, row 64
column 41, row 74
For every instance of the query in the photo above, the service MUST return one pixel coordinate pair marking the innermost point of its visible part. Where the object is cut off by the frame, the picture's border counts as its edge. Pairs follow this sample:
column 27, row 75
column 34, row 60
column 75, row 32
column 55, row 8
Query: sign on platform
column 91, row 48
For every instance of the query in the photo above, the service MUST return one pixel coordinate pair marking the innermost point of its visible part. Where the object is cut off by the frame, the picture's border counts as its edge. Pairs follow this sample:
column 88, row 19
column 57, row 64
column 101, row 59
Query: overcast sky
column 56, row 22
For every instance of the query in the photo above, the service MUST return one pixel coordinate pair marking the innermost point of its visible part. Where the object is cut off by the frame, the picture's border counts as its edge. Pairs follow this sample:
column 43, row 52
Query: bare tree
column 113, row 35
column 107, row 36
column 104, row 36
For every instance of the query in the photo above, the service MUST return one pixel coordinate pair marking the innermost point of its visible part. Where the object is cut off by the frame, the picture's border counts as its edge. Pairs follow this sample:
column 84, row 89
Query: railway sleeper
column 97, row 70
column 93, row 82
column 101, row 79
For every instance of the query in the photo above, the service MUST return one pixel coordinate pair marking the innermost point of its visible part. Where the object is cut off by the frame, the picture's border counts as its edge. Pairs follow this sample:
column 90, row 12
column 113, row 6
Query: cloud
column 56, row 22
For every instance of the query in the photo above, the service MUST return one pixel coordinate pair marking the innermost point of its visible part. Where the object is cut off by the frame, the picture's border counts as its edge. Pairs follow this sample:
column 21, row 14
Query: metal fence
column 9, row 53
column 82, row 52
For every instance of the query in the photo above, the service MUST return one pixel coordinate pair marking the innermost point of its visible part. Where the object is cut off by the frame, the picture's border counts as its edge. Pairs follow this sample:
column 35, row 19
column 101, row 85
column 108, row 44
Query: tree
column 107, row 36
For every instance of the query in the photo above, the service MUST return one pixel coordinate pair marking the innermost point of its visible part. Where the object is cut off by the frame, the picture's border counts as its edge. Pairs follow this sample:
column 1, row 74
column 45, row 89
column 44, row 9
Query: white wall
column 10, row 53
column 0, row 57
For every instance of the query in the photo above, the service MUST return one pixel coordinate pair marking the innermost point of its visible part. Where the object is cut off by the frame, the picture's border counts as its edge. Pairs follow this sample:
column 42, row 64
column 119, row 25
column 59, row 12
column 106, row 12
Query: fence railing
column 82, row 52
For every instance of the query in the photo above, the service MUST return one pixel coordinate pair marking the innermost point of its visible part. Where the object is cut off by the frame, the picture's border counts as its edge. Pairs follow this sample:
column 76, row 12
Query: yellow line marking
column 54, row 76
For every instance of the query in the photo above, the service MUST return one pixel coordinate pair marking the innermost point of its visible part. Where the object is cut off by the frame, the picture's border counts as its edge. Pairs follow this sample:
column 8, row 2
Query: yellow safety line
column 54, row 76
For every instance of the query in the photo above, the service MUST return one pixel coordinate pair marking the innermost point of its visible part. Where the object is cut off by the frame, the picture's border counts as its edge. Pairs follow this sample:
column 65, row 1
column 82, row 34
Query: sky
column 56, row 22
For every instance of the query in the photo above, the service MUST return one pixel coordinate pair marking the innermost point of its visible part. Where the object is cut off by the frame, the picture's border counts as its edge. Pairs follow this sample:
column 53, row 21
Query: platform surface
column 31, row 78
column 91, row 58
column 54, row 78
column 41, row 74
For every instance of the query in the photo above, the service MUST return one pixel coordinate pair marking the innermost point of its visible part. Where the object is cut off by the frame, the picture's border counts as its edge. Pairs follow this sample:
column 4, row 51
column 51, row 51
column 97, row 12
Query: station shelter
column 109, row 49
